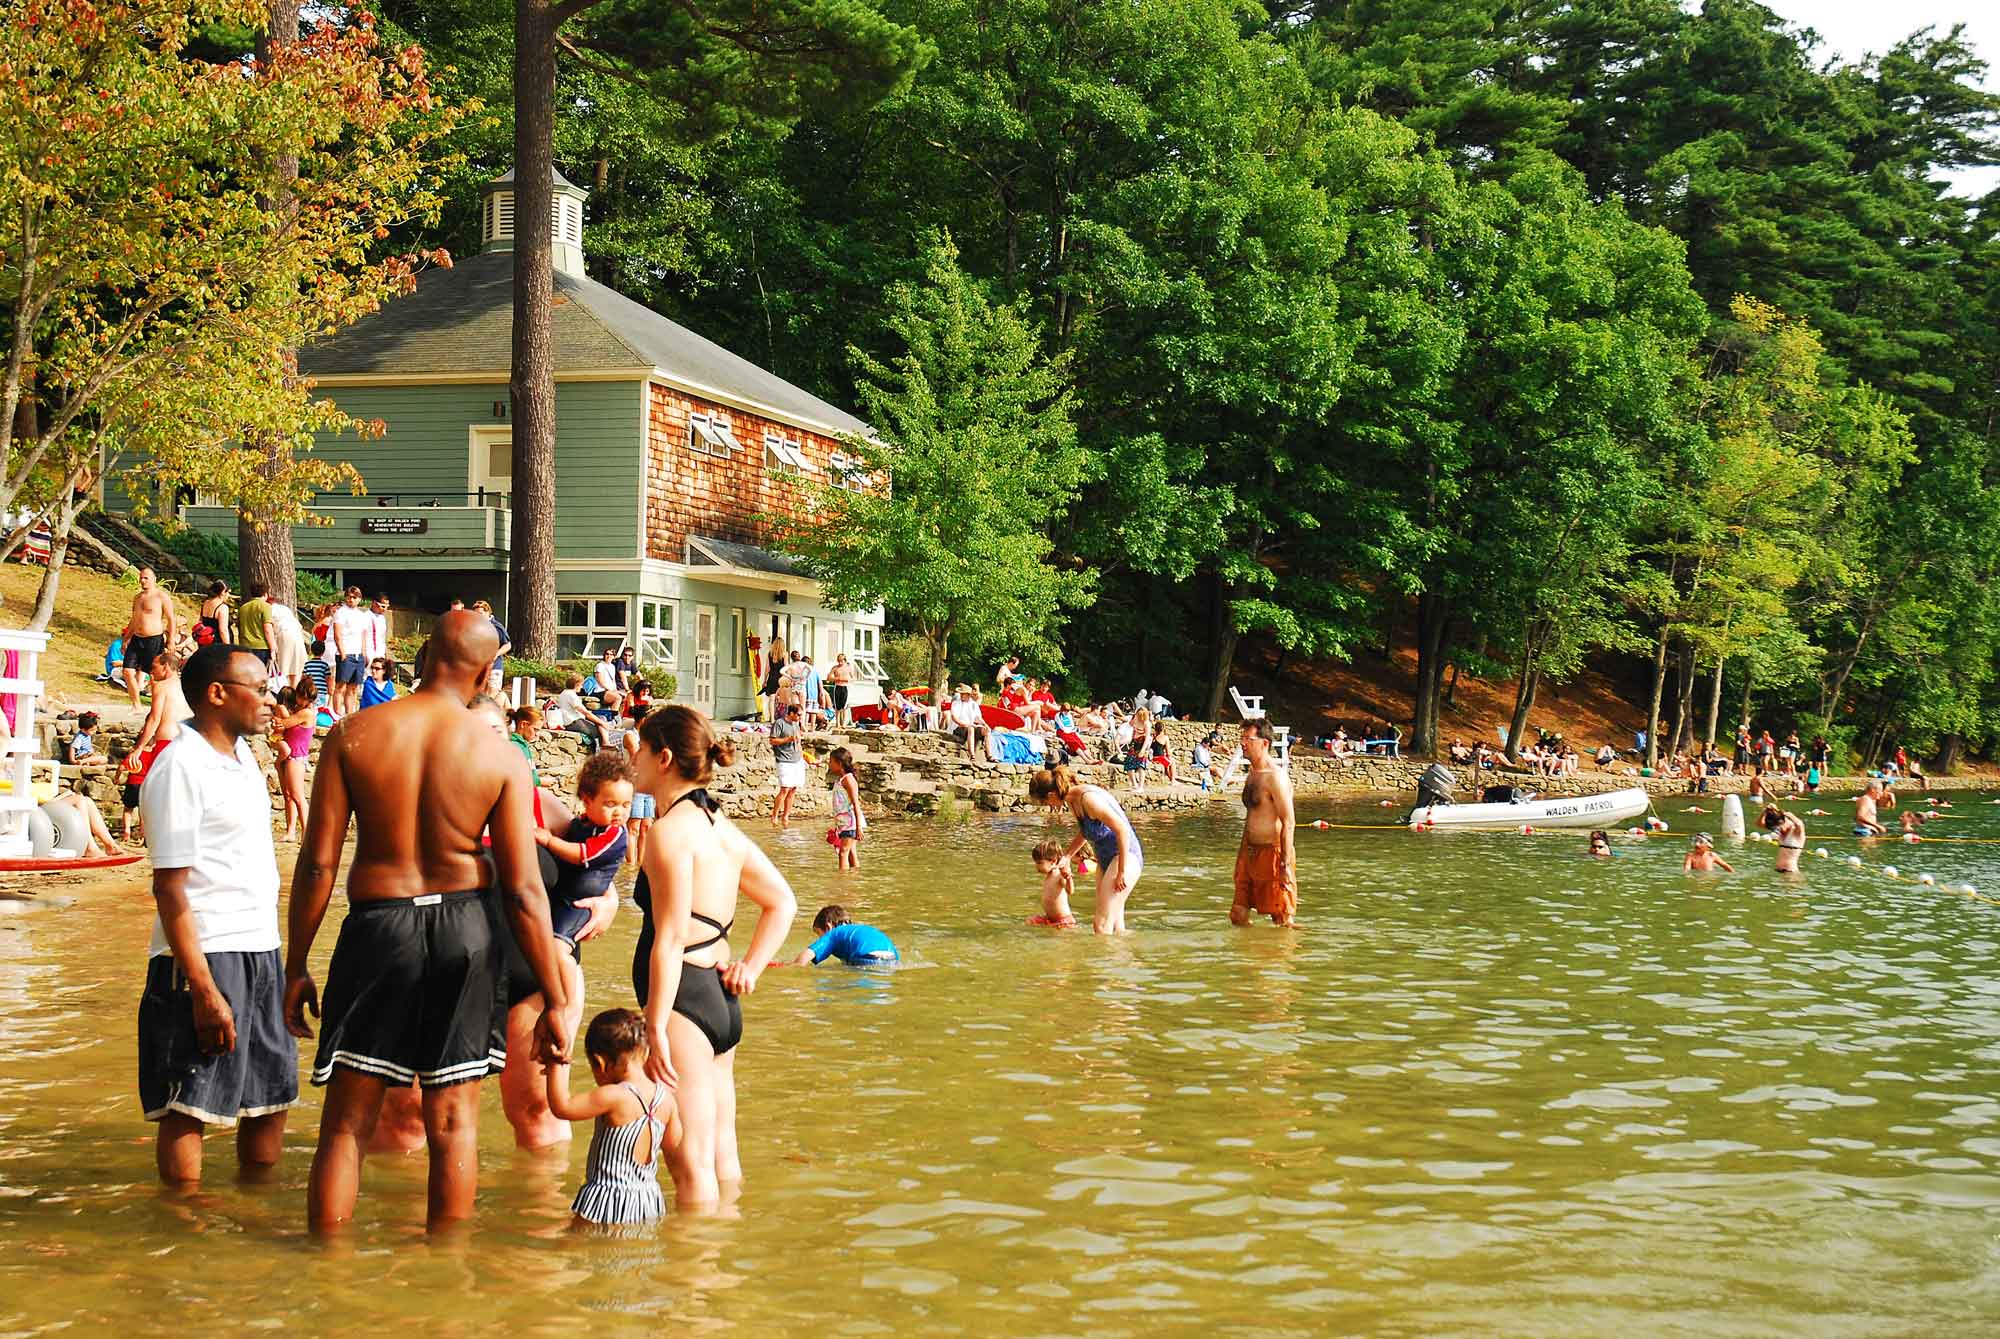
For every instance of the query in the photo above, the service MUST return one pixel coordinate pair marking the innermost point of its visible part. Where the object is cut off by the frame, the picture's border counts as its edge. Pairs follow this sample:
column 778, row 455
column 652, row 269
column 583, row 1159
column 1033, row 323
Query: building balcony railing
column 387, row 525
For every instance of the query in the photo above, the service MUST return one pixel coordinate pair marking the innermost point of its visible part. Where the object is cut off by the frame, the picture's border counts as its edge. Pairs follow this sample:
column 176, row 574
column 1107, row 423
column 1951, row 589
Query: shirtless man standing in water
column 1267, row 863
column 1867, row 810
column 415, row 987
column 154, row 628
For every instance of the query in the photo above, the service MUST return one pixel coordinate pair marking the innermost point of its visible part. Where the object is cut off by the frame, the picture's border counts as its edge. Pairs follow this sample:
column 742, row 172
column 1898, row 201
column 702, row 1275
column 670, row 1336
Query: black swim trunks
column 415, row 991
column 141, row 652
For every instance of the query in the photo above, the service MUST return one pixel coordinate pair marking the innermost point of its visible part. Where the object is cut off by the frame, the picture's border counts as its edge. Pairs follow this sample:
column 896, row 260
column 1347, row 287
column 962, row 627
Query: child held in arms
column 589, row 851
column 1058, row 883
column 856, row 945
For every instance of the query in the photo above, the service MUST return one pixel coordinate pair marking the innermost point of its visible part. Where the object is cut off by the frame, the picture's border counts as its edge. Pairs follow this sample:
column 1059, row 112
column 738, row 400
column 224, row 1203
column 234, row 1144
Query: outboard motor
column 1436, row 785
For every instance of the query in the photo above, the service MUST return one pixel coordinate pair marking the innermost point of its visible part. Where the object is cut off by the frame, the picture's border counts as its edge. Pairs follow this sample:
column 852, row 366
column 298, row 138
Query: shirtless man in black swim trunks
column 154, row 627
column 414, row 989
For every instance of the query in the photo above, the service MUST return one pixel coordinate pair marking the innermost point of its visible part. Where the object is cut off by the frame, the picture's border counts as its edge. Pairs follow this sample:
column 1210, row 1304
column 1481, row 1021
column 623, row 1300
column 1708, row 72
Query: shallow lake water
column 1488, row 1087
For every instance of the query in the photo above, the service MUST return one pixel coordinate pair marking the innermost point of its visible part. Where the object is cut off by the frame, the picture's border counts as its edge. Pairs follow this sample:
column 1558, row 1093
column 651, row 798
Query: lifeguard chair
column 1252, row 709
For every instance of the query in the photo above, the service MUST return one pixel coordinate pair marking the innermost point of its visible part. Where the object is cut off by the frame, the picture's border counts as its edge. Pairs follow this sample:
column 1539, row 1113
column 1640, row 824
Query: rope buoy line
column 1321, row 825
column 1963, row 890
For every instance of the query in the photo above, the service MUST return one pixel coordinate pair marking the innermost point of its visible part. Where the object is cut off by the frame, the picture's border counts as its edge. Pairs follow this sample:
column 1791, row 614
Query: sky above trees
column 1853, row 28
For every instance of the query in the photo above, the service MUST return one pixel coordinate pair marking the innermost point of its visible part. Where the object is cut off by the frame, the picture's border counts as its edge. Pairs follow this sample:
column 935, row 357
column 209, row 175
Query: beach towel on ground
column 1017, row 748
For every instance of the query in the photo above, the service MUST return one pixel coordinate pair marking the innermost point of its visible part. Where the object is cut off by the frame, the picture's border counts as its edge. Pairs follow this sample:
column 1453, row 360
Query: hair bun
column 722, row 753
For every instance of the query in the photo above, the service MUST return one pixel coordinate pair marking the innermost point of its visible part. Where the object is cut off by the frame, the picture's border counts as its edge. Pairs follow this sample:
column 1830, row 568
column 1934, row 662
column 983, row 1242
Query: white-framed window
column 848, row 472
column 586, row 625
column 784, row 457
column 711, row 436
column 865, row 650
column 659, row 632
column 736, row 621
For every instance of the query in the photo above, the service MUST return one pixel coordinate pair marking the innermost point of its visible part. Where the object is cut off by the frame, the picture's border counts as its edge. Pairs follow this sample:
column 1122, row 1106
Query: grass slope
column 91, row 609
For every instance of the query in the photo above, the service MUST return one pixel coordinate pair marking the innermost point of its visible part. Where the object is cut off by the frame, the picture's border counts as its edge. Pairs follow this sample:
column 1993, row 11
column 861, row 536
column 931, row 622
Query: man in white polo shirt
column 213, row 1047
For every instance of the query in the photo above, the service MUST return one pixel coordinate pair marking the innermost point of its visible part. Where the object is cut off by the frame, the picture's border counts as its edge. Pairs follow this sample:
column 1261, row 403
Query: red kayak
column 1002, row 719
column 872, row 713
column 44, row 864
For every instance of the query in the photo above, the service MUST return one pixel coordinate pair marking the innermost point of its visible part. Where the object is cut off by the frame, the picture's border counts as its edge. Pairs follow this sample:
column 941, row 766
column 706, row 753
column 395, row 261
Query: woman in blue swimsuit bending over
column 1101, row 825
column 695, row 865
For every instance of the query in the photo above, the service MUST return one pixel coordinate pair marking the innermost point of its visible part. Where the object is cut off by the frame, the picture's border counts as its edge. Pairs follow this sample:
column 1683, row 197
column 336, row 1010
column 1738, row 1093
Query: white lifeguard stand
column 23, row 684
column 1251, row 709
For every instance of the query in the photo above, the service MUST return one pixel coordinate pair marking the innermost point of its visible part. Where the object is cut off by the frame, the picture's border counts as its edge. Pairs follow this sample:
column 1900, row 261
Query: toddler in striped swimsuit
column 636, row 1123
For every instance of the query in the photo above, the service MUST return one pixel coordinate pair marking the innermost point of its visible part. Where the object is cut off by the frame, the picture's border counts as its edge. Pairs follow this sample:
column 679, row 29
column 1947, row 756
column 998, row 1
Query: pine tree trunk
column 1949, row 750
column 1748, row 678
column 939, row 639
column 1653, row 706
column 1524, row 702
column 1222, row 643
column 1683, row 698
column 1715, row 703
column 532, row 561
column 1433, row 619
column 264, row 548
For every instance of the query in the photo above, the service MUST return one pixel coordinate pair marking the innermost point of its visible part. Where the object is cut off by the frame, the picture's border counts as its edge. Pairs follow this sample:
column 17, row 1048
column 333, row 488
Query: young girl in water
column 291, row 741
column 636, row 1123
column 849, row 822
column 1057, row 884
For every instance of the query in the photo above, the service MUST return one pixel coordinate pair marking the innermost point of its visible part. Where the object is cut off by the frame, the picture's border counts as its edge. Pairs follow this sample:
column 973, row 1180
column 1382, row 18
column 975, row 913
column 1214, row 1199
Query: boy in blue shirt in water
column 855, row 945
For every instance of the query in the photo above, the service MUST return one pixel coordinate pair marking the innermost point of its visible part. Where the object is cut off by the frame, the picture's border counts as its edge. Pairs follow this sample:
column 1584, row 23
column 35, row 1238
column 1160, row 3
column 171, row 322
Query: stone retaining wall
column 923, row 773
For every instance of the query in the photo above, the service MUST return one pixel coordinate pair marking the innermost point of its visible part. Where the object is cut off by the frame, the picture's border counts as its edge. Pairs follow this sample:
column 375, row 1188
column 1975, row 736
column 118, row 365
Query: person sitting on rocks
column 968, row 723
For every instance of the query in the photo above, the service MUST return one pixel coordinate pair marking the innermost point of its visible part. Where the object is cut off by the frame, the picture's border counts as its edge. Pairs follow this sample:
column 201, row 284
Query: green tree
column 149, row 299
column 978, row 452
column 1524, row 345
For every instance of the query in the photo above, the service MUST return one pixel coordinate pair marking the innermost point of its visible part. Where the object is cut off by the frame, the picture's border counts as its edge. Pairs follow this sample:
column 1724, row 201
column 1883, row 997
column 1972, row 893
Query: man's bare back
column 1864, row 810
column 424, row 779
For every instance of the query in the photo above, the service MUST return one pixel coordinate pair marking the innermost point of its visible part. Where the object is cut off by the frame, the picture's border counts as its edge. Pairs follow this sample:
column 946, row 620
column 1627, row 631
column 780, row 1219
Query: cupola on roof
column 496, row 219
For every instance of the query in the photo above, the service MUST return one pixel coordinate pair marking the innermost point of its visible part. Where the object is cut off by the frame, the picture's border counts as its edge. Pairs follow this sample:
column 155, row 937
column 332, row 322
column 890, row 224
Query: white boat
column 1435, row 809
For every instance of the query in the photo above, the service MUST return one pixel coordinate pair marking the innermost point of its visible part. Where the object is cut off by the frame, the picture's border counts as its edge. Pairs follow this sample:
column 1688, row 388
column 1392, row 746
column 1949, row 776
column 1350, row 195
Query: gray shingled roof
column 462, row 320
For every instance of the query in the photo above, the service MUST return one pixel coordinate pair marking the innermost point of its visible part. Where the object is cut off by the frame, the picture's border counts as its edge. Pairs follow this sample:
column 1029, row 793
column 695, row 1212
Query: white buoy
column 1820, row 851
column 1926, row 879
column 1854, row 862
column 1968, row 888
column 1732, row 816
column 1911, row 838
column 1891, row 871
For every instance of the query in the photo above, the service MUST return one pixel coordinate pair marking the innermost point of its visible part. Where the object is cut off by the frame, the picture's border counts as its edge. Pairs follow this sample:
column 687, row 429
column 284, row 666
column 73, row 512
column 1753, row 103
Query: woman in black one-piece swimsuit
column 681, row 969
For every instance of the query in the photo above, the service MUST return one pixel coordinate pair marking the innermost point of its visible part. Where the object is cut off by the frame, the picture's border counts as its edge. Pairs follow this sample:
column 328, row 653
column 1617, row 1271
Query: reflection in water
column 1489, row 1087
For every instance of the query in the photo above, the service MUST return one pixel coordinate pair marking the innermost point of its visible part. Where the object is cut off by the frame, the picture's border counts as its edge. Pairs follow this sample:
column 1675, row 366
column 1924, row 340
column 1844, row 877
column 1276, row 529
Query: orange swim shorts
column 1261, row 887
